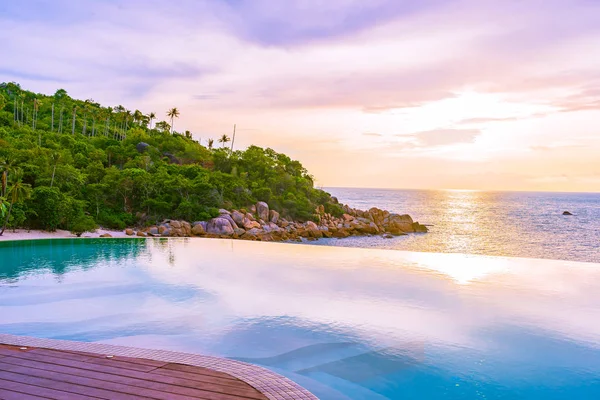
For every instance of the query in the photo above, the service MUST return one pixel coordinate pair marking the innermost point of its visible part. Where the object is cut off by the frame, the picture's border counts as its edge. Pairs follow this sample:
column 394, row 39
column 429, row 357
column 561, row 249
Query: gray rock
column 262, row 210
column 231, row 221
column 141, row 147
column 219, row 226
column 198, row 230
column 273, row 216
column 238, row 217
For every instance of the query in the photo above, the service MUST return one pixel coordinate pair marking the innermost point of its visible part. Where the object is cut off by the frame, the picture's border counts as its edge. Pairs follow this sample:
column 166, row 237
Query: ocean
column 512, row 224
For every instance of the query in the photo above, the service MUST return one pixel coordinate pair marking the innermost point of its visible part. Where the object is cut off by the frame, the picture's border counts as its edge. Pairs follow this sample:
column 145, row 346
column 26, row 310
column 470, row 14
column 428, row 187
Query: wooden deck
column 36, row 373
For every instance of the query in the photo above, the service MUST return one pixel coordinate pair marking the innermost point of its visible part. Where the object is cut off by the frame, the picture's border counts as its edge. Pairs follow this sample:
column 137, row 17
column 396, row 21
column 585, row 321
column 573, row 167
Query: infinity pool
column 344, row 323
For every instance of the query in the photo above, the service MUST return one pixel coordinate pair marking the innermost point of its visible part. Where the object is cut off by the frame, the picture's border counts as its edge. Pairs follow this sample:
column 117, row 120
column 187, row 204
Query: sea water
column 515, row 224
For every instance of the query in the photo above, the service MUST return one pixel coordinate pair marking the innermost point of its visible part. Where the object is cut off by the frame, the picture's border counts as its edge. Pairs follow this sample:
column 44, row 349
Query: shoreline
column 33, row 234
column 260, row 223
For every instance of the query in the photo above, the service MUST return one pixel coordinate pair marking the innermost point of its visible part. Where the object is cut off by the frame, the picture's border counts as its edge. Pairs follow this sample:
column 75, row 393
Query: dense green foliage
column 77, row 164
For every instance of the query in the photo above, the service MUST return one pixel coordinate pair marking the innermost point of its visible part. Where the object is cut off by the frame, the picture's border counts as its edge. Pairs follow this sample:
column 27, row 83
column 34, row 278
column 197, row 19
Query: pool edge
column 271, row 384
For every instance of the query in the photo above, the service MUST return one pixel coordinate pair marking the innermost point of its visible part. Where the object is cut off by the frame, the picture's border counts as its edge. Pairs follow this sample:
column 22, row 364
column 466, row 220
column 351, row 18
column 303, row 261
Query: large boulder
column 273, row 216
column 262, row 210
column 198, row 230
column 172, row 158
column 249, row 223
column 186, row 227
column 398, row 224
column 238, row 217
column 230, row 219
column 203, row 223
column 141, row 147
column 219, row 226
column 271, row 227
column 420, row 228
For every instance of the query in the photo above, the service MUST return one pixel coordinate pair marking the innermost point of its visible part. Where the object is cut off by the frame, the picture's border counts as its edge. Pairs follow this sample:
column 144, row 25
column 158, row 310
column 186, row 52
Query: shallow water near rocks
column 346, row 323
column 514, row 224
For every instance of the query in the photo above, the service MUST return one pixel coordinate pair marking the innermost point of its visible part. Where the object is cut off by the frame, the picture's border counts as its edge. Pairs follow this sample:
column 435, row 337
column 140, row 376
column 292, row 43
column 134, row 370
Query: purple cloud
column 294, row 22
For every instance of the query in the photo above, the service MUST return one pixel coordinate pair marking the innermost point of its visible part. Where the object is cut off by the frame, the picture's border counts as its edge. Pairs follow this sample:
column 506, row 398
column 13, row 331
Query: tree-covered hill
column 68, row 163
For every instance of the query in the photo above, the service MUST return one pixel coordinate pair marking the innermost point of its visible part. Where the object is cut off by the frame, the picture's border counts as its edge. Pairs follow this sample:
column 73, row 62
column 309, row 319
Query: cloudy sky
column 465, row 94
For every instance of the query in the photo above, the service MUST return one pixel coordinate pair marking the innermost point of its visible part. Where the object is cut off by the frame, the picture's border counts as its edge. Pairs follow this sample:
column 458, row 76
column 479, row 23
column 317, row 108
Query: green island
column 76, row 165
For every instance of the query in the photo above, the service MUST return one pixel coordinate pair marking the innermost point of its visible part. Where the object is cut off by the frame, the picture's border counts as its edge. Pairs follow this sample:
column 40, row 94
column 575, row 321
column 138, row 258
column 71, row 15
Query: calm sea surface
column 514, row 224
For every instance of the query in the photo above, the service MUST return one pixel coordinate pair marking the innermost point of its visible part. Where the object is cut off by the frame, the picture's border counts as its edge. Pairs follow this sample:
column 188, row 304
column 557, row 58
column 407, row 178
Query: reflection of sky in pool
column 345, row 323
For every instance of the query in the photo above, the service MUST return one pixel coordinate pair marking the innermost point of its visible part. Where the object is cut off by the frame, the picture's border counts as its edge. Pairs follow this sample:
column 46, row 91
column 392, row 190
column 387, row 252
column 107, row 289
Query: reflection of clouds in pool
column 389, row 294
column 368, row 323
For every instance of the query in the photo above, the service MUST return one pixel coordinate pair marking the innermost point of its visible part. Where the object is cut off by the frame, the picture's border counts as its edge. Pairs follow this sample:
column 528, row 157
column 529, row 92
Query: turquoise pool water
column 346, row 323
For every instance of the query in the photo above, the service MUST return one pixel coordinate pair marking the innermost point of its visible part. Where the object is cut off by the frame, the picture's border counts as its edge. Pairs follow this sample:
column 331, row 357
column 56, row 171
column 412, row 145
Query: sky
column 430, row 94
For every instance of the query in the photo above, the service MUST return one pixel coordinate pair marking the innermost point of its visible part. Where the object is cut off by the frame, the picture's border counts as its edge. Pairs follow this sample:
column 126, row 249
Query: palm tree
column 109, row 111
column 19, row 190
column 173, row 113
column 7, row 166
column 55, row 157
column 151, row 116
column 137, row 116
column 224, row 139
column 127, row 115
column 74, row 113
column 210, row 143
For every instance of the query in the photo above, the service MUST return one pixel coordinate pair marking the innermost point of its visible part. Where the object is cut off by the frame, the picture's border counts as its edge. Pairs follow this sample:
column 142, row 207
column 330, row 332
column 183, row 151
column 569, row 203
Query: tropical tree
column 137, row 116
column 74, row 114
column 224, row 139
column 6, row 165
column 55, row 157
column 163, row 126
column 151, row 116
column 210, row 143
column 173, row 113
column 18, row 191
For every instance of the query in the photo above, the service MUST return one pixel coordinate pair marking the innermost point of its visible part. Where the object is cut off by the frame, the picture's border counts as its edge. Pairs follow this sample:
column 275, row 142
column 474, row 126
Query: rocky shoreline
column 261, row 223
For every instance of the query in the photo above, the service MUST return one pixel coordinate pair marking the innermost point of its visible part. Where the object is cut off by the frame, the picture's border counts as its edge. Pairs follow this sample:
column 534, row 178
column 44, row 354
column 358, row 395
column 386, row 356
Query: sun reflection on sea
column 463, row 211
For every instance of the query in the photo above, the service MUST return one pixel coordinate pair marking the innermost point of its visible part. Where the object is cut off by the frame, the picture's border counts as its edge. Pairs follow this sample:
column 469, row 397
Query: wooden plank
column 115, row 370
column 158, row 387
column 142, row 361
column 96, row 360
column 193, row 369
column 125, row 391
column 198, row 377
column 27, row 376
column 61, row 354
column 40, row 391
column 10, row 395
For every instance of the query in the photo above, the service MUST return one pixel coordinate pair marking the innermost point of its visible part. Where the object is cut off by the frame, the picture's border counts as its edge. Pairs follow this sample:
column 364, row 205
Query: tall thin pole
column 233, row 138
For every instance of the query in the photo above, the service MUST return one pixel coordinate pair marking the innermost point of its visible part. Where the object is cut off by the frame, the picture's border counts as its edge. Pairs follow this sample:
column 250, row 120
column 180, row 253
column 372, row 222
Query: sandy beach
column 24, row 234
